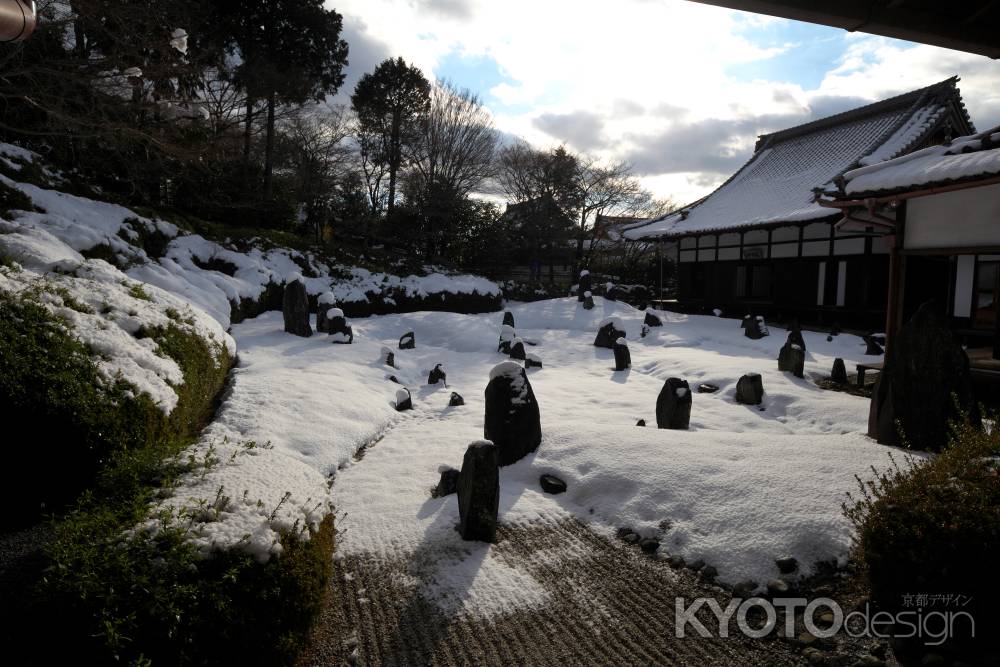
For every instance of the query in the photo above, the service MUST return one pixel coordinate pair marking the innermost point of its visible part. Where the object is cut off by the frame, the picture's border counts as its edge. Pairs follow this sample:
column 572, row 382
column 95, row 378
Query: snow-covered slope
column 214, row 277
column 742, row 487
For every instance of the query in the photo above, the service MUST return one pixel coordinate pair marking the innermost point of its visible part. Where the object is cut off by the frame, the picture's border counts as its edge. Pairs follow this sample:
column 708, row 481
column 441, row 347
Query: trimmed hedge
column 934, row 528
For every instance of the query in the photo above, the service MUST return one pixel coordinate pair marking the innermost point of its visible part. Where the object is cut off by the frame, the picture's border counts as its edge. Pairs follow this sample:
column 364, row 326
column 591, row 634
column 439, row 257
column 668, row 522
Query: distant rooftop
column 779, row 182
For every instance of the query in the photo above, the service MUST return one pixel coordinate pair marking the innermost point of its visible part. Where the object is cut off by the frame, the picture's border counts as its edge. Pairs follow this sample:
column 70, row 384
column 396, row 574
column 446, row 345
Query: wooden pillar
column 897, row 280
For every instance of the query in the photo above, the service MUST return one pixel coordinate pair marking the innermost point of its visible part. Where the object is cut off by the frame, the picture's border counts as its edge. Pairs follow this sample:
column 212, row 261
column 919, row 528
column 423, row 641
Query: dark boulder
column 512, row 420
column 507, row 337
column 455, row 400
column 324, row 303
column 295, row 309
column 641, row 422
column 408, row 341
column 673, row 405
column 388, row 357
column 924, row 376
column 610, row 331
column 508, row 319
column 623, row 359
column 532, row 361
column 552, row 484
column 649, row 544
column 393, row 378
column 436, row 375
column 750, row 389
column 403, row 400
column 651, row 320
column 448, row 484
column 588, row 301
column 584, row 284
column 787, row 565
column 517, row 349
column 792, row 359
column 611, row 292
column 839, row 372
column 707, row 388
column 479, row 492
column 340, row 330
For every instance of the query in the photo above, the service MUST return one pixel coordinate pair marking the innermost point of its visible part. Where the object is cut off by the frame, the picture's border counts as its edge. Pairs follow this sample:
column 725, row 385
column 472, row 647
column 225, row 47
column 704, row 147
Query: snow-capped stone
column 407, row 341
column 517, row 349
column 508, row 319
column 792, row 359
column 623, row 359
column 584, row 285
column 512, row 418
column 673, row 405
column 588, row 301
column 455, row 400
column 340, row 330
column 707, row 388
column 652, row 320
column 532, row 361
column 609, row 330
column 507, row 337
column 436, row 375
column 403, row 400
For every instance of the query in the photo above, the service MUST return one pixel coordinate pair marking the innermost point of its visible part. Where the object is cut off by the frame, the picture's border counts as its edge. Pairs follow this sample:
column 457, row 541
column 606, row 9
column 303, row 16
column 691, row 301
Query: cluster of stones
column 754, row 328
column 512, row 430
column 511, row 345
column 295, row 312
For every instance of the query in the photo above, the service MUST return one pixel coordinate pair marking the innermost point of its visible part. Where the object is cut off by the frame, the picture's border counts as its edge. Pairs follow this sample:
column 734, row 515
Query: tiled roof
column 778, row 183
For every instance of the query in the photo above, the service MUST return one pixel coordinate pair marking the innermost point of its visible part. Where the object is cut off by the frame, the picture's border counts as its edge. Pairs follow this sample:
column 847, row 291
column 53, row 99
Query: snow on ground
column 742, row 487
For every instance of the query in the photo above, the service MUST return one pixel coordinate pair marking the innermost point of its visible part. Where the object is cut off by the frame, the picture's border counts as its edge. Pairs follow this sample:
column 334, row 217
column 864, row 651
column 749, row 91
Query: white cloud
column 652, row 76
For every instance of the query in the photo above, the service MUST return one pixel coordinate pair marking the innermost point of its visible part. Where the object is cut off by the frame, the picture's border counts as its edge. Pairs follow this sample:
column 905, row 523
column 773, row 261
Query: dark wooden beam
column 969, row 25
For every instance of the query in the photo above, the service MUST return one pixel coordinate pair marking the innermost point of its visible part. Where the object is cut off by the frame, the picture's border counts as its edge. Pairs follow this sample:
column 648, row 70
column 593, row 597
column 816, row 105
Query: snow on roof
column 778, row 183
column 964, row 158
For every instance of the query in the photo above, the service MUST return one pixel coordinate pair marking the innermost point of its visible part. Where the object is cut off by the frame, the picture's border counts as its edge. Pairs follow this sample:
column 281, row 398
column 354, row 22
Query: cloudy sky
column 679, row 89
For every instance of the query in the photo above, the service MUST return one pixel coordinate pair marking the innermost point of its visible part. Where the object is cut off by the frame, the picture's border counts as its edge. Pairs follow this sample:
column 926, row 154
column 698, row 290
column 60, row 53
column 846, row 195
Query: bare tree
column 604, row 189
column 457, row 146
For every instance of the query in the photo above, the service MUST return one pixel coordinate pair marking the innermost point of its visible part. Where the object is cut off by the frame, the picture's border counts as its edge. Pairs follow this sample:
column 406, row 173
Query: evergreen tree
column 389, row 103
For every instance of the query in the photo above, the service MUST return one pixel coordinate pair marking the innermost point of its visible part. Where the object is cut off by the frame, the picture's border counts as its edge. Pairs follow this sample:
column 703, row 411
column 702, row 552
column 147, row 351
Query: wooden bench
column 862, row 367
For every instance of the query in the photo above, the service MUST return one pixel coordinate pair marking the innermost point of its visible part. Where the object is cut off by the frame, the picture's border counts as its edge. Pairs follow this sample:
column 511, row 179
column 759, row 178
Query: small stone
column 393, row 378
column 750, row 389
column 707, row 388
column 641, row 422
column 696, row 564
column 839, row 372
column 403, row 400
column 744, row 589
column 532, row 361
column 407, row 341
column 552, row 484
column 448, row 483
column 787, row 565
column 632, row 538
column 455, row 400
column 336, row 325
column 623, row 360
column 676, row 562
column 388, row 357
column 829, row 339
column 814, row 655
column 827, row 618
column 709, row 572
column 588, row 301
column 673, row 405
column 777, row 587
column 651, row 320
column 807, row 638
column 649, row 545
column 644, row 331
column 436, row 375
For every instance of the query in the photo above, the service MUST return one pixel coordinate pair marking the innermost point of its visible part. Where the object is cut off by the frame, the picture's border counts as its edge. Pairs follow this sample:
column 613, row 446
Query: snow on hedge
column 105, row 310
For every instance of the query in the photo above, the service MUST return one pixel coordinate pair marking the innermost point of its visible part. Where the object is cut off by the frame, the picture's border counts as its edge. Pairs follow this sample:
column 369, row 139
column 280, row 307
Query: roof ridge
column 857, row 113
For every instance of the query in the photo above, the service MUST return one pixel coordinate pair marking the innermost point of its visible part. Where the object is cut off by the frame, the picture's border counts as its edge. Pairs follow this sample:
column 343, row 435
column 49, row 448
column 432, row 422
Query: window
column 753, row 281
column 984, row 305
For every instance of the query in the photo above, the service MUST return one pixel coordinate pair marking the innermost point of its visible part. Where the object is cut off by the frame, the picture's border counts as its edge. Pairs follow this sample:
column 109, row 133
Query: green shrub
column 12, row 199
column 933, row 527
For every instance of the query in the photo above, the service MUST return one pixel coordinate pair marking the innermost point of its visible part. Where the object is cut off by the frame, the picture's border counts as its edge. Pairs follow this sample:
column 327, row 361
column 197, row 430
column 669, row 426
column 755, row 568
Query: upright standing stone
column 295, row 309
column 388, row 357
column 512, row 420
column 507, row 336
column 923, row 377
column 479, row 492
column 403, row 400
column 673, row 405
column 651, row 320
column 588, row 300
column 455, row 400
column 795, row 336
column 839, row 372
column 610, row 330
column 517, row 349
column 623, row 359
column 508, row 319
column 436, row 375
column 340, row 330
column 792, row 359
column 584, row 284
column 325, row 302
column 407, row 341
column 750, row 389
